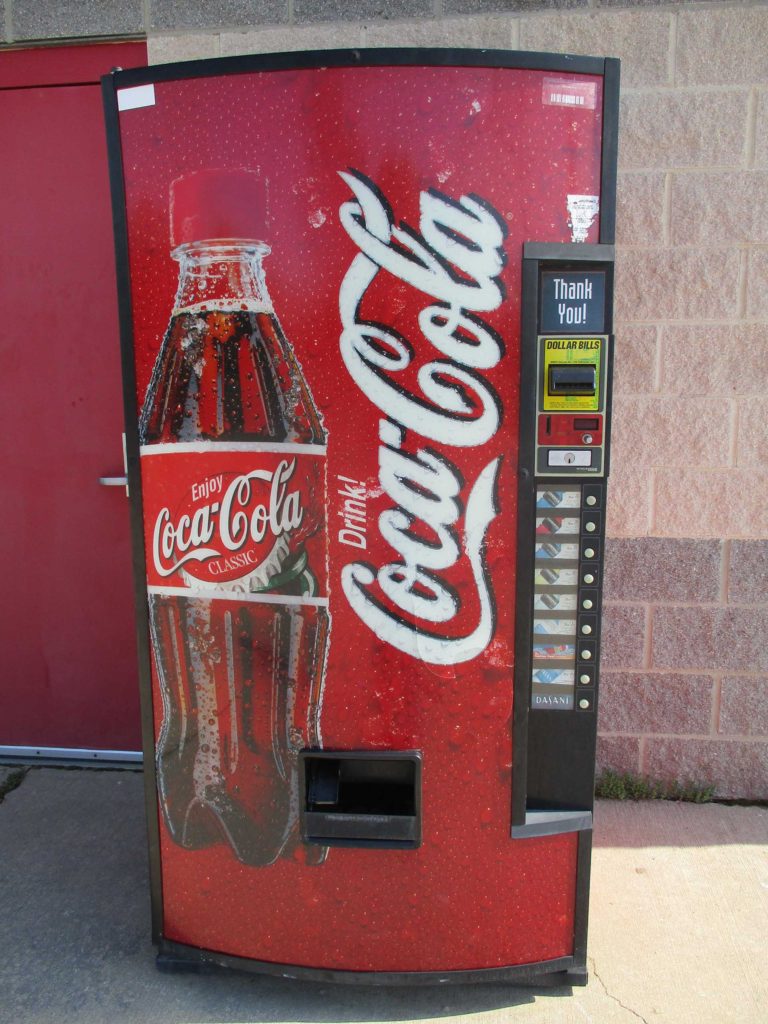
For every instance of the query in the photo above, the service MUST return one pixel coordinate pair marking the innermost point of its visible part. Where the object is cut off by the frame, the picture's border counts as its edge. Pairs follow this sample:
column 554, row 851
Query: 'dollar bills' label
column 233, row 519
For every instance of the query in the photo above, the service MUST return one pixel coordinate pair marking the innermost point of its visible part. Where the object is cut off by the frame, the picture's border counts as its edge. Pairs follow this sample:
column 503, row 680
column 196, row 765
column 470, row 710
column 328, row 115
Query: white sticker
column 582, row 211
column 137, row 96
column 572, row 458
column 569, row 92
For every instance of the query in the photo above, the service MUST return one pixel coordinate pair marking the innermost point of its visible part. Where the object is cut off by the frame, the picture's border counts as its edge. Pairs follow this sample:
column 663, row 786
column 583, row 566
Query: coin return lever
column 366, row 798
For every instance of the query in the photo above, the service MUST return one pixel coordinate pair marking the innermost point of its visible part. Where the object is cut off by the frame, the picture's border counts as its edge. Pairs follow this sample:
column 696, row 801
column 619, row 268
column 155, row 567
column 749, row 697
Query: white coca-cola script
column 255, row 508
column 455, row 259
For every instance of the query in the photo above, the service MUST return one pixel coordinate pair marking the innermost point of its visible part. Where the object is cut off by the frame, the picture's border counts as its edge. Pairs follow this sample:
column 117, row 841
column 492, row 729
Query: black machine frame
column 569, row 970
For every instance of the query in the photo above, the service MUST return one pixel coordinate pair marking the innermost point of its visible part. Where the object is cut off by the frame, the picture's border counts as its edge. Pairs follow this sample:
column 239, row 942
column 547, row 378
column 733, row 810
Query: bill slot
column 572, row 379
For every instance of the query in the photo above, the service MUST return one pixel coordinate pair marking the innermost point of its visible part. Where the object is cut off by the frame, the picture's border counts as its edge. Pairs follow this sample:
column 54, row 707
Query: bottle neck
column 221, row 274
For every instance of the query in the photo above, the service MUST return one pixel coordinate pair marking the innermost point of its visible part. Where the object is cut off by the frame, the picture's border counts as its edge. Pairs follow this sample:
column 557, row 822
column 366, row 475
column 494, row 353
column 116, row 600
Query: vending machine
column 366, row 330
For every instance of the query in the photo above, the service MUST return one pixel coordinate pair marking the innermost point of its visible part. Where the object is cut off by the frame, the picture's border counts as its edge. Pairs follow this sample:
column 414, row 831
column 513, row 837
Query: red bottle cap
column 217, row 203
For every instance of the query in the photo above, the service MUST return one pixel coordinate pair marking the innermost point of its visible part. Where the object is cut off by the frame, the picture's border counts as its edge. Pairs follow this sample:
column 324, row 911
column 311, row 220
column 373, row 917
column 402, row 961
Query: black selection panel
column 566, row 595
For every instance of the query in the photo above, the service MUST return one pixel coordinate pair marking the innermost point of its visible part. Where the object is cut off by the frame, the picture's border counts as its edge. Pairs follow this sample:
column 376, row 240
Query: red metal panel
column 68, row 648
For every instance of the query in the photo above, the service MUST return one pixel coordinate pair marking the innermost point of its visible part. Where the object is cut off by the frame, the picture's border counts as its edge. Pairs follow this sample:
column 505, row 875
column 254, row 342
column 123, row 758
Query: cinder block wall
column 685, row 680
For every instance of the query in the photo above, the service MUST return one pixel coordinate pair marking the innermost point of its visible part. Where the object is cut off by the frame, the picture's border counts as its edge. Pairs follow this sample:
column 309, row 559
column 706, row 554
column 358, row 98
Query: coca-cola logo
column 229, row 525
column 455, row 259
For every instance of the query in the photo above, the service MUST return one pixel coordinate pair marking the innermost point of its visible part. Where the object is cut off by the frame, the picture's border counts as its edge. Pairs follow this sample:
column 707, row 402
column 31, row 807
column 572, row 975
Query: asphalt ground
column 678, row 925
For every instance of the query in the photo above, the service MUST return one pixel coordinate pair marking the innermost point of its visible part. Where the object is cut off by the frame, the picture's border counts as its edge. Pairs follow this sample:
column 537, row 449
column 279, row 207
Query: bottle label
column 235, row 520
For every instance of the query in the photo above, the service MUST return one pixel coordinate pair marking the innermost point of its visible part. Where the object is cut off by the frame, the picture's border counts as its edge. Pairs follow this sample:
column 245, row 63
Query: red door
column 67, row 630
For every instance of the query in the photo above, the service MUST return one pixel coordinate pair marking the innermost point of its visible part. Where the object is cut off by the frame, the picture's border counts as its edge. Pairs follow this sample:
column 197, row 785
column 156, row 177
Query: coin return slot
column 361, row 799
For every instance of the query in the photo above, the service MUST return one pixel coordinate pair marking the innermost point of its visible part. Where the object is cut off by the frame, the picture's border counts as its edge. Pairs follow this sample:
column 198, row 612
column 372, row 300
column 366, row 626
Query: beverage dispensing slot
column 323, row 783
column 361, row 798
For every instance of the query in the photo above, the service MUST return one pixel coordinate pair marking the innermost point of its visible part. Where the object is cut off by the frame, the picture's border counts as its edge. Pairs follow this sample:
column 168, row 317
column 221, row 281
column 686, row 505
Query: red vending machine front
column 366, row 321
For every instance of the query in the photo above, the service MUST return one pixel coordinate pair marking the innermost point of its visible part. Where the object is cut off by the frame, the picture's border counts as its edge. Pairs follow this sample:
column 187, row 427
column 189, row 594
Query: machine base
column 564, row 971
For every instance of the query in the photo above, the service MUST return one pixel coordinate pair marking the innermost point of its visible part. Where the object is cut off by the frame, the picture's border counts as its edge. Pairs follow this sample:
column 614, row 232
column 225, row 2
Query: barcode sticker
column 565, row 92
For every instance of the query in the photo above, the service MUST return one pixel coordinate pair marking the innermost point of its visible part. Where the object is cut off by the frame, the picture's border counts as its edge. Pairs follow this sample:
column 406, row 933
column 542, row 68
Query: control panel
column 565, row 412
column 572, row 353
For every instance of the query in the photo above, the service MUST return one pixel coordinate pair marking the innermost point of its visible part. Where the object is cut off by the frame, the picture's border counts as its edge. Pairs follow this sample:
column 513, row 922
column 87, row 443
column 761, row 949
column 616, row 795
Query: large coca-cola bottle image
column 233, row 477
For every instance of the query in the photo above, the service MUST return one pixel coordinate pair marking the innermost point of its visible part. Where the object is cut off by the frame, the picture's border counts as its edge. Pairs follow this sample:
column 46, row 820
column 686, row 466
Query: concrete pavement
column 678, row 930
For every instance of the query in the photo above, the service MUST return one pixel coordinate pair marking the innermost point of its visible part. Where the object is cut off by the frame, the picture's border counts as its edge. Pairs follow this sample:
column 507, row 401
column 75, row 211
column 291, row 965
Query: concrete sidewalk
column 678, row 931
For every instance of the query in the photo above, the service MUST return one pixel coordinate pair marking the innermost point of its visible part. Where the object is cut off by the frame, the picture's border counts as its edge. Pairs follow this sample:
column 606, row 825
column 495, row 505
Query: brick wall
column 685, row 683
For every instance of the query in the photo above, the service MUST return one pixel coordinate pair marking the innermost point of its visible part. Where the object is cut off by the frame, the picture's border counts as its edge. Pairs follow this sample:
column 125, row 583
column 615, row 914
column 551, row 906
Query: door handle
column 115, row 481
column 118, row 481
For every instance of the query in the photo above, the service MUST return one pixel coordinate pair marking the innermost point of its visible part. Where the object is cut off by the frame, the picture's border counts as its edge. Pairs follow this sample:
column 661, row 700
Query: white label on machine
column 570, row 458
